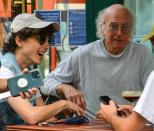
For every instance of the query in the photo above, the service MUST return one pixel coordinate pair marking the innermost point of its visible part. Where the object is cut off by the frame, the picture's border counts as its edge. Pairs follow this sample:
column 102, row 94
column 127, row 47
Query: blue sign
column 54, row 16
column 77, row 27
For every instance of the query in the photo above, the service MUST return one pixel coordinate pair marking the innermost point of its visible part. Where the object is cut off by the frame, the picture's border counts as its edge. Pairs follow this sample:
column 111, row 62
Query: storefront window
column 143, row 11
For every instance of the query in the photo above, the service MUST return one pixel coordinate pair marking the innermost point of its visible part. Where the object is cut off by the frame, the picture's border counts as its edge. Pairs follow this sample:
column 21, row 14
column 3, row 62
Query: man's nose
column 119, row 31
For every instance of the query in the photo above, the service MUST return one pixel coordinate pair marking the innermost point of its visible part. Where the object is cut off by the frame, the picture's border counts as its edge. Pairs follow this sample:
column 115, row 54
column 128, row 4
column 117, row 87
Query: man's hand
column 72, row 94
column 31, row 91
column 74, row 107
column 28, row 94
column 106, row 112
column 127, row 109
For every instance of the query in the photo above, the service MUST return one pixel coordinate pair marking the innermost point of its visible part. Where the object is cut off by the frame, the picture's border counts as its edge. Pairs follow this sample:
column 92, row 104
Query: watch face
column 22, row 82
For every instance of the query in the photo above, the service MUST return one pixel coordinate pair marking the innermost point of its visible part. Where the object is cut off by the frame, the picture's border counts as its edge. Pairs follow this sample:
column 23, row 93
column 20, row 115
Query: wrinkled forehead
column 120, row 16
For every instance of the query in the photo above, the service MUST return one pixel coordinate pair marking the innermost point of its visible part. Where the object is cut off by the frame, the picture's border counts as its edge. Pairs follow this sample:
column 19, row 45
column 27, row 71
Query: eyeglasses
column 42, row 37
column 125, row 28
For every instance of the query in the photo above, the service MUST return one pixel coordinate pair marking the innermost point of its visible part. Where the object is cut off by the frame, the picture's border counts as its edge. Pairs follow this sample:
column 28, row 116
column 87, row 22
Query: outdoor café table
column 93, row 125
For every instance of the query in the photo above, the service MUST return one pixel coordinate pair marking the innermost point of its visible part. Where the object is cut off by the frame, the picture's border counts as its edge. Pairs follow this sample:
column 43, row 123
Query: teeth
column 41, row 53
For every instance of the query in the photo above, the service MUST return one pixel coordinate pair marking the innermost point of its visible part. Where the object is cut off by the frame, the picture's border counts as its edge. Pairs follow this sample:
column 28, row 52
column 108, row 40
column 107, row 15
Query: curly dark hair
column 40, row 34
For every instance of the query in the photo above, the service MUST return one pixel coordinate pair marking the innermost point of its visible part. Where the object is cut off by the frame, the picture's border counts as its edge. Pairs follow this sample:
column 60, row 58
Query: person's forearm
column 35, row 114
column 134, row 122
column 42, row 113
column 115, row 122
column 3, row 85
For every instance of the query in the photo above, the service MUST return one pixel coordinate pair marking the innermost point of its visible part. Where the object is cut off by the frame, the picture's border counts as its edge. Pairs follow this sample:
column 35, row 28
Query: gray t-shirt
column 95, row 72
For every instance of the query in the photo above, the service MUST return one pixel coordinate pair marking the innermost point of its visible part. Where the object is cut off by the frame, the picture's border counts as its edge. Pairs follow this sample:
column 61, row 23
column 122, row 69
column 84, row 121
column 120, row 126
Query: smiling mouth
column 118, row 40
column 41, row 53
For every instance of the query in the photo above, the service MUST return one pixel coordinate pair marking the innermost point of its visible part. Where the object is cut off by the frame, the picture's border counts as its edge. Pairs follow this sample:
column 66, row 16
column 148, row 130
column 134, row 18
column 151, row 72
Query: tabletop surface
column 93, row 125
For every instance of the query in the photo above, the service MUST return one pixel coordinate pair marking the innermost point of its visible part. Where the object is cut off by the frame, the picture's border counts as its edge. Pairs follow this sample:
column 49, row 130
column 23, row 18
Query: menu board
column 72, row 26
column 77, row 27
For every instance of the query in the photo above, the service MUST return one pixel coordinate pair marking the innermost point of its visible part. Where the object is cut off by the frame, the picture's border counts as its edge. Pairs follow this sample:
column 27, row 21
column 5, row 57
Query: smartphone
column 23, row 82
column 105, row 100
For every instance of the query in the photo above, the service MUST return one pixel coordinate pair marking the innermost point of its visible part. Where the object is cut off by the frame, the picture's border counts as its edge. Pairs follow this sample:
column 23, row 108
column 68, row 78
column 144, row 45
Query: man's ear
column 19, row 41
column 103, row 29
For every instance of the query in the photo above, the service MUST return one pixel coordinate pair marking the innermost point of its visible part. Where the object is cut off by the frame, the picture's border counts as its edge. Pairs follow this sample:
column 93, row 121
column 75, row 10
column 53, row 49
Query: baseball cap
column 24, row 20
column 149, row 35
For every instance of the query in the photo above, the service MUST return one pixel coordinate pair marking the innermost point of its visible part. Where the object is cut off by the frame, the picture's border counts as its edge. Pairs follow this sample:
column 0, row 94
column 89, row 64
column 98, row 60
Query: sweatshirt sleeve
column 62, row 74
column 50, row 84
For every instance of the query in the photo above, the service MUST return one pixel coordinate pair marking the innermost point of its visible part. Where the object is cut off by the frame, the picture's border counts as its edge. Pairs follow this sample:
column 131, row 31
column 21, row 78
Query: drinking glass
column 131, row 96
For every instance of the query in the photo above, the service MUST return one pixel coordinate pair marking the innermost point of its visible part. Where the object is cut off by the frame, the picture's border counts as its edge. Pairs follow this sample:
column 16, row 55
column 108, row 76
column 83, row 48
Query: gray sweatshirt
column 94, row 71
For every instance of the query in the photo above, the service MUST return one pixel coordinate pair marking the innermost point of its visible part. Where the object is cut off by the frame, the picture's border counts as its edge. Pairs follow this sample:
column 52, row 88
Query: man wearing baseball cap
column 26, row 45
column 26, row 20
column 31, row 21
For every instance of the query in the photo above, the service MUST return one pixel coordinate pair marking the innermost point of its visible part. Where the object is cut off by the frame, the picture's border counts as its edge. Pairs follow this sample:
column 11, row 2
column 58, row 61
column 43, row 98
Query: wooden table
column 94, row 125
